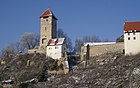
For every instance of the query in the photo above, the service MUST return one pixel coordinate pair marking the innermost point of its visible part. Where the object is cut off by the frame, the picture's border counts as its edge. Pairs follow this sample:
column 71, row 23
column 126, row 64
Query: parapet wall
column 102, row 49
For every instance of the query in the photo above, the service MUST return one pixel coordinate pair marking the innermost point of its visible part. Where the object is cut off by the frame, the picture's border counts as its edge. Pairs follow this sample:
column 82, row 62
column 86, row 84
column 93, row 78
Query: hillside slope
column 108, row 71
column 105, row 71
column 24, row 67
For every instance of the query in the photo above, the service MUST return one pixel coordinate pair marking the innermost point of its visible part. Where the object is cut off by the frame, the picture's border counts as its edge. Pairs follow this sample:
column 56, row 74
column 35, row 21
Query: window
column 133, row 33
column 56, row 47
column 45, row 28
column 128, row 38
column 134, row 38
column 46, row 19
column 128, row 33
column 42, row 41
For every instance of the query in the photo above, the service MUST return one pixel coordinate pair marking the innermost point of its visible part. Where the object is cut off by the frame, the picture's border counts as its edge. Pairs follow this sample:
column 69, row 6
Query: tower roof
column 47, row 13
column 132, row 26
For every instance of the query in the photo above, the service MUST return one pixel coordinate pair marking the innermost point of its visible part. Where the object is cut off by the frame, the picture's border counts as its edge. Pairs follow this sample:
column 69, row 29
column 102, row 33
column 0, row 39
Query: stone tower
column 48, row 28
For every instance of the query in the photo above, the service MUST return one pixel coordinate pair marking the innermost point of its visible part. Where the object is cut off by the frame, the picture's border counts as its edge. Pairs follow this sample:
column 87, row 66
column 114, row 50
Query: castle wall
column 96, row 50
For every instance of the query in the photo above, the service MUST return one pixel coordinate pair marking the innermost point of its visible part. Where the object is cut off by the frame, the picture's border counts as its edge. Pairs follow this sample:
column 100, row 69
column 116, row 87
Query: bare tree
column 62, row 34
column 18, row 47
column 11, row 50
column 78, row 44
column 8, row 51
column 84, row 39
column 93, row 38
column 29, row 40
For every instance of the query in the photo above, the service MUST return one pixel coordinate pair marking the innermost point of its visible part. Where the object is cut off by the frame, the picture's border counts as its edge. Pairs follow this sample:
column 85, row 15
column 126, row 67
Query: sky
column 103, row 18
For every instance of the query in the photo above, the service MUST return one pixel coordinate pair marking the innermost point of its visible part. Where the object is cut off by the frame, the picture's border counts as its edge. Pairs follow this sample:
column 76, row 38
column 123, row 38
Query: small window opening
column 56, row 47
column 128, row 38
column 134, row 38
column 42, row 41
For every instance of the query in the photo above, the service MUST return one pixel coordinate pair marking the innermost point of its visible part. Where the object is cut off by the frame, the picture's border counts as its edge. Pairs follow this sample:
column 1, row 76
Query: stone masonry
column 102, row 49
column 48, row 30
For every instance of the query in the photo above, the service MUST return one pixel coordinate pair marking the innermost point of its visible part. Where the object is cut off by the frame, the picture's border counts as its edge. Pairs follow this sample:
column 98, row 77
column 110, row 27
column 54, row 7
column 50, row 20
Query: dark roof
column 132, row 26
column 47, row 13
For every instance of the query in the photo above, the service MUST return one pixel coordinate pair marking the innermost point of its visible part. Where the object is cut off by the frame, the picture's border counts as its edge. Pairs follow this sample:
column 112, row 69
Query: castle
column 48, row 37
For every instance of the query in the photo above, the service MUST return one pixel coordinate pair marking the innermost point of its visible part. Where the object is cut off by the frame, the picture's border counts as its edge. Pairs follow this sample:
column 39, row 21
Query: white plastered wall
column 132, row 43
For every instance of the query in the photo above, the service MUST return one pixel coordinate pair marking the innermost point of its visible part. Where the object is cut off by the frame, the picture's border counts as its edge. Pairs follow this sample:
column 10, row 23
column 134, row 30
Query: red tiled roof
column 56, row 41
column 49, row 42
column 48, row 12
column 132, row 26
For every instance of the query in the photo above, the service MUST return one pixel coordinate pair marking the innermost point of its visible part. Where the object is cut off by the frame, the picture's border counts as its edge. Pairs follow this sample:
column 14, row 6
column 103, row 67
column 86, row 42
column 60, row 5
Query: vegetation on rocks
column 105, row 71
column 23, row 68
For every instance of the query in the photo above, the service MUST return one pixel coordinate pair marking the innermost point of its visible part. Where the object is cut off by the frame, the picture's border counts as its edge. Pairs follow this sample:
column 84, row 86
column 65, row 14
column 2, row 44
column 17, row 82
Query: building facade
column 132, row 38
column 56, row 48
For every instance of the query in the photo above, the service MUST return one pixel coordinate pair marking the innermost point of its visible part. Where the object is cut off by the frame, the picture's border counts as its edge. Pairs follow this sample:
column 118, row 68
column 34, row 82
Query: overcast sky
column 104, row 18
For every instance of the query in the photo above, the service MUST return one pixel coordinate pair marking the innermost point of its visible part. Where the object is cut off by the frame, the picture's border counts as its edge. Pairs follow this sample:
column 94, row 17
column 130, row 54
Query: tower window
column 128, row 33
column 128, row 38
column 42, row 41
column 134, row 38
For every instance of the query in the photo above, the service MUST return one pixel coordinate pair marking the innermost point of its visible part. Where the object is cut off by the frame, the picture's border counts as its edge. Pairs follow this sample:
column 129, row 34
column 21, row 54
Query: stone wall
column 62, row 65
column 37, row 49
column 102, row 49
